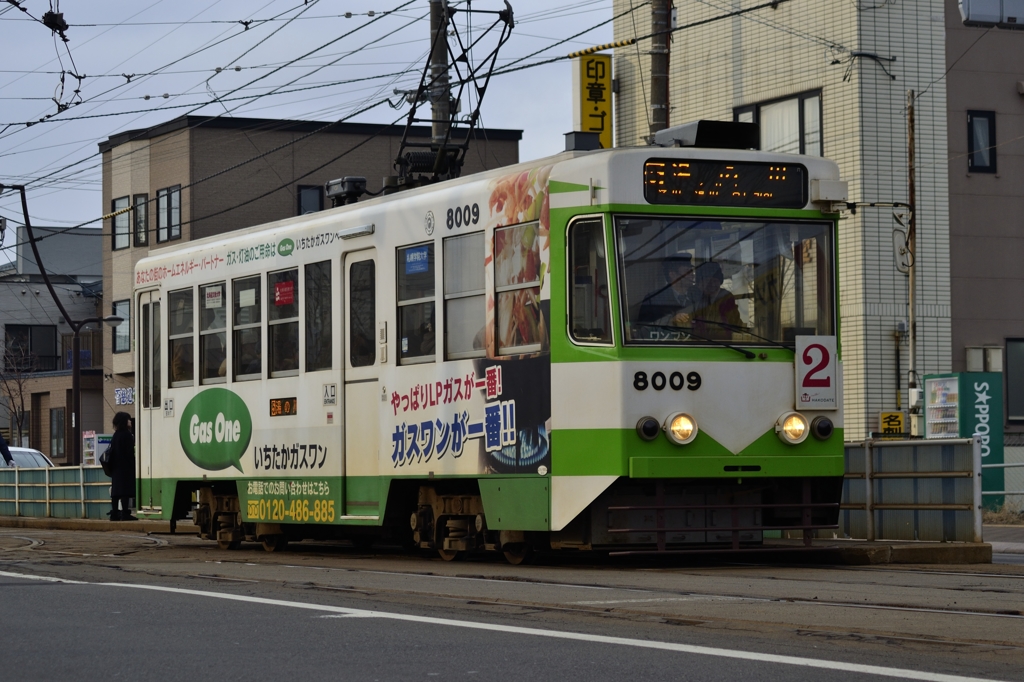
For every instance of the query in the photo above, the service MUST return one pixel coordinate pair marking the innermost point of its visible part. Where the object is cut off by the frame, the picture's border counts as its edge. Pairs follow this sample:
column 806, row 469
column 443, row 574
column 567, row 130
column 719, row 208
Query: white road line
column 880, row 671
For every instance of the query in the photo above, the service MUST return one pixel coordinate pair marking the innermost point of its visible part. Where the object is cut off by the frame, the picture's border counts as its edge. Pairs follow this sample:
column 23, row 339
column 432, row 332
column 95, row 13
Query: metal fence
column 81, row 492
column 913, row 490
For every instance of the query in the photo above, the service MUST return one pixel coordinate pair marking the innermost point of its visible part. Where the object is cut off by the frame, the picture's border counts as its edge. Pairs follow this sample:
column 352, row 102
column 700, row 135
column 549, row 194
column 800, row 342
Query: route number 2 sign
column 817, row 381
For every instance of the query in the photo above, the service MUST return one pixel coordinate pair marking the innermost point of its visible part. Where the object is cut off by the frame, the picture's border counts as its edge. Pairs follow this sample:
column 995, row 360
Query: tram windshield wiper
column 689, row 330
column 744, row 330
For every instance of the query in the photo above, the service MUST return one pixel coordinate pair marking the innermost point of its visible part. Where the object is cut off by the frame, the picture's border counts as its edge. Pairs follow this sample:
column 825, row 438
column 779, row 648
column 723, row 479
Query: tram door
column 149, row 404
column 362, row 390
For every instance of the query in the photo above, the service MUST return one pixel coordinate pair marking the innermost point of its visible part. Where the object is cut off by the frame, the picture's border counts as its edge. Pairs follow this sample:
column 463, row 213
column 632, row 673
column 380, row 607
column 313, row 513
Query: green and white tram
column 629, row 350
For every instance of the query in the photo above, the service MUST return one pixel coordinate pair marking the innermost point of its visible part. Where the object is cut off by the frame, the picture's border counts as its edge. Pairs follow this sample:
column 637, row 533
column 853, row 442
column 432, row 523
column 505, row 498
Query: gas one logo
column 215, row 429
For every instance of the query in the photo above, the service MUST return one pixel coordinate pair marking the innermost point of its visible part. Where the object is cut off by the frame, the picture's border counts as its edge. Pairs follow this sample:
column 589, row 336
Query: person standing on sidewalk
column 122, row 461
column 6, row 452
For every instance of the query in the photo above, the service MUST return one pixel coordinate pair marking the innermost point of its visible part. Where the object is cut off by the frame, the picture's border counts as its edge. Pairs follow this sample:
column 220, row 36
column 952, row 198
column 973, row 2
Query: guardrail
column 913, row 490
column 81, row 492
column 1012, row 465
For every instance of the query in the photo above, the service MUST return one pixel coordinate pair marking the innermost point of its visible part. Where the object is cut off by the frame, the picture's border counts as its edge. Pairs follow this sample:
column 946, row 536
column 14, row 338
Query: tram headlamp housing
column 792, row 428
column 647, row 428
column 822, row 428
column 681, row 428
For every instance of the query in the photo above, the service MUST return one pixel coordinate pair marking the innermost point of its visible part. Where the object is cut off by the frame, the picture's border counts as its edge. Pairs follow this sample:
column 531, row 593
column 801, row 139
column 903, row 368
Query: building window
column 122, row 332
column 168, row 213
column 179, row 337
column 56, row 433
column 283, row 320
column 464, row 296
column 788, row 126
column 981, row 141
column 140, row 207
column 416, row 330
column 311, row 199
column 362, row 313
column 121, row 223
column 318, row 316
column 213, row 323
column 517, row 289
column 589, row 314
column 31, row 348
column 1015, row 380
column 248, row 339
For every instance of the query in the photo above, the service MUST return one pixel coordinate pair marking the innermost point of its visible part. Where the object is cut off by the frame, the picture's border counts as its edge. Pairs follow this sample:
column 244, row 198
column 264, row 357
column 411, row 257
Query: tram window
column 283, row 318
column 362, row 306
column 589, row 313
column 416, row 328
column 147, row 393
column 517, row 289
column 179, row 337
column 213, row 322
column 155, row 350
column 464, row 296
column 247, row 351
column 704, row 281
column 318, row 316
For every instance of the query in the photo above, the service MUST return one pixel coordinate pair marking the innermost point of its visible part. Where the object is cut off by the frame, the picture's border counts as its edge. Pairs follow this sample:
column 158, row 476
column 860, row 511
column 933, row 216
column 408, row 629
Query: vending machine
column 965, row 405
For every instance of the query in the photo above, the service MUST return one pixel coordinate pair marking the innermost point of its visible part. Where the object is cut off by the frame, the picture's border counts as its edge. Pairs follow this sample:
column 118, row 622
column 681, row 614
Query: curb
column 95, row 525
column 864, row 553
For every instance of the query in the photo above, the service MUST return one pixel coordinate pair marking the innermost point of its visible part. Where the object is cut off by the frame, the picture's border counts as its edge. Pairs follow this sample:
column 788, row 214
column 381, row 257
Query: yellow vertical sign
column 892, row 424
column 592, row 96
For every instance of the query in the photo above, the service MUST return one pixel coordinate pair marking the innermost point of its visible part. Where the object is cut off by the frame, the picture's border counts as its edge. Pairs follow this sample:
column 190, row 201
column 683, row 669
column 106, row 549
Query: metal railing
column 913, row 490
column 80, row 492
column 1012, row 465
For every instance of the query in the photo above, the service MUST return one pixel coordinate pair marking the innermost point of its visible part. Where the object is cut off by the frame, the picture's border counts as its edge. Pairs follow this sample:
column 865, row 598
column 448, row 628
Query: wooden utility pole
column 912, row 250
column 661, row 12
column 440, row 91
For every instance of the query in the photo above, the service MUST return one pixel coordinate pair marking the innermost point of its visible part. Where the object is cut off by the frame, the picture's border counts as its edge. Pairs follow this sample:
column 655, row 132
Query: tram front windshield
column 691, row 281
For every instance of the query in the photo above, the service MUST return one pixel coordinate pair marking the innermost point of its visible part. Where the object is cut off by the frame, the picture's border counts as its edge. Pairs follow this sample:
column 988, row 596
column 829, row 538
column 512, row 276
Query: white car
column 28, row 458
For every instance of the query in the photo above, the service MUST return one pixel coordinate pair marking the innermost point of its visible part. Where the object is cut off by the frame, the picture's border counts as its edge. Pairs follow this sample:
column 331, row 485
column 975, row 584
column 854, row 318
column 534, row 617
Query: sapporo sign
column 215, row 429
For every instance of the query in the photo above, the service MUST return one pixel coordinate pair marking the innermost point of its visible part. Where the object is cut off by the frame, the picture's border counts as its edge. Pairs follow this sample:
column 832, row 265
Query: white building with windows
column 830, row 78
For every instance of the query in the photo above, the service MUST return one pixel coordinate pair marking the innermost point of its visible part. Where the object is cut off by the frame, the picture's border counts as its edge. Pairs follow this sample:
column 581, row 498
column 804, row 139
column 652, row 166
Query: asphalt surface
column 1007, row 544
column 172, row 606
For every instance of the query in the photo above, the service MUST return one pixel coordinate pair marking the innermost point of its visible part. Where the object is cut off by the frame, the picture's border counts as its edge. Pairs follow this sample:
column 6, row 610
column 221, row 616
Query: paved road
column 161, row 607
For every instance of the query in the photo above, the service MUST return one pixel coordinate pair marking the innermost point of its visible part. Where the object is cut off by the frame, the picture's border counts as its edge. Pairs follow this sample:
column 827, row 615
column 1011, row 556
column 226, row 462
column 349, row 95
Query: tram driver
column 672, row 304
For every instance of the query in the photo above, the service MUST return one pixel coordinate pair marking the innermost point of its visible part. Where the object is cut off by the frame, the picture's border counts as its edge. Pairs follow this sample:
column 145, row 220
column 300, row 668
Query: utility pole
column 440, row 91
column 912, row 249
column 660, row 18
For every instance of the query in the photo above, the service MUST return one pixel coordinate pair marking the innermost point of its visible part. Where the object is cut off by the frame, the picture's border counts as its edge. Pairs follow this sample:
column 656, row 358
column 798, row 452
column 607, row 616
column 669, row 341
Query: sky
column 172, row 50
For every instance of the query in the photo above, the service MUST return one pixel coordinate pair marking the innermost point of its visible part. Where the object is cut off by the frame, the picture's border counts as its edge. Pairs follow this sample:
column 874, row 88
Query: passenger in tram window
column 672, row 303
column 716, row 314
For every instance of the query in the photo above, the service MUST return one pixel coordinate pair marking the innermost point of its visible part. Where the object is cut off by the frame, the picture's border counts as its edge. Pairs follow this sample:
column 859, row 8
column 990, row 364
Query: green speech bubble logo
column 285, row 247
column 215, row 429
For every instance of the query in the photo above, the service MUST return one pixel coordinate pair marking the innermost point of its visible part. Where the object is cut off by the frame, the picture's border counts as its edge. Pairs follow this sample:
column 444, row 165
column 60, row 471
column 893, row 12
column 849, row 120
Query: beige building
column 195, row 176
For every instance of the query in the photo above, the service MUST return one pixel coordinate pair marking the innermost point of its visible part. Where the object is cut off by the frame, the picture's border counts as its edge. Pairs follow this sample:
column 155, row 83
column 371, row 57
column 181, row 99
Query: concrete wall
column 798, row 47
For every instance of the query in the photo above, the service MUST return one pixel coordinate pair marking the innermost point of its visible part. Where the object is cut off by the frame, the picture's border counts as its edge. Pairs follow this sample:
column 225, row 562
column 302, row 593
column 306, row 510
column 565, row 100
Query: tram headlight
column 681, row 428
column 792, row 428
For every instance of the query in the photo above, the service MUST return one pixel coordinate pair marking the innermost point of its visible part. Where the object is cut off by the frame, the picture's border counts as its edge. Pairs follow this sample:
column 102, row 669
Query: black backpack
column 108, row 467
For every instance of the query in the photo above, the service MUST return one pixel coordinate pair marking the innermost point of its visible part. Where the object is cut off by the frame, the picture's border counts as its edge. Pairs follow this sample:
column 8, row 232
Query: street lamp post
column 76, row 373
column 76, row 327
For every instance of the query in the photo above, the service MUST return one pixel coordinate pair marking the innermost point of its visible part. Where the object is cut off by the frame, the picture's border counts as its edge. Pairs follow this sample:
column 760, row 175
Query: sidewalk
column 1005, row 539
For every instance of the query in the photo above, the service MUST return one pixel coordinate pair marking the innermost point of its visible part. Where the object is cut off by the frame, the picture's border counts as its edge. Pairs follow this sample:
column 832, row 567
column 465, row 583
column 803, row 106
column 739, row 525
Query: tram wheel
column 449, row 554
column 229, row 544
column 518, row 554
column 274, row 543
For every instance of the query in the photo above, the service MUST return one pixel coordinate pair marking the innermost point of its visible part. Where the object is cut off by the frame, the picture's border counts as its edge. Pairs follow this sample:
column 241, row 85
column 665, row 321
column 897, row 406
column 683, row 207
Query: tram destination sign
column 725, row 183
